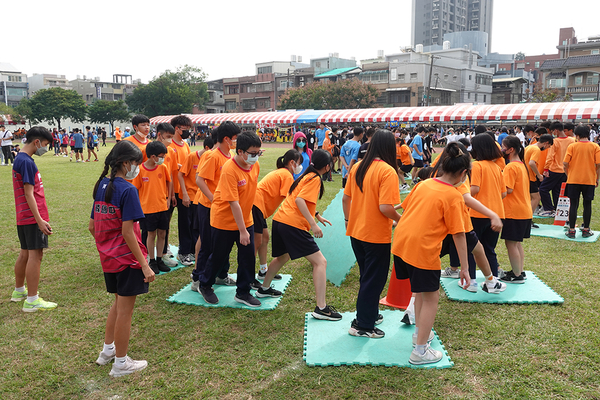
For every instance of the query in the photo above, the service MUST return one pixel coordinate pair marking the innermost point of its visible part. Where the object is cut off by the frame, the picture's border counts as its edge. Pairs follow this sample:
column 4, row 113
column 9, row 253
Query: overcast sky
column 226, row 38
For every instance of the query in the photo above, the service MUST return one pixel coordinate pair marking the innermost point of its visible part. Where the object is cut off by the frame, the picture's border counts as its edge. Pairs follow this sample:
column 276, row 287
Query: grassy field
column 499, row 351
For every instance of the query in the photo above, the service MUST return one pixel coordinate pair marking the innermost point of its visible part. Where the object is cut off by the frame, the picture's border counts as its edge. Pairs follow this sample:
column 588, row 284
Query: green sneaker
column 39, row 304
column 18, row 296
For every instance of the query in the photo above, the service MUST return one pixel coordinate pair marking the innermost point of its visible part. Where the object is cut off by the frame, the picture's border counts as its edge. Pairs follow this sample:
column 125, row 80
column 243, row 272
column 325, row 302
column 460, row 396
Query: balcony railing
column 583, row 89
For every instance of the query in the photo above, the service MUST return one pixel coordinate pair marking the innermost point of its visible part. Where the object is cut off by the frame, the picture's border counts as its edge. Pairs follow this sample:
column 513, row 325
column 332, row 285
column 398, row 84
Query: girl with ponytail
column 115, row 227
column 292, row 224
column 271, row 191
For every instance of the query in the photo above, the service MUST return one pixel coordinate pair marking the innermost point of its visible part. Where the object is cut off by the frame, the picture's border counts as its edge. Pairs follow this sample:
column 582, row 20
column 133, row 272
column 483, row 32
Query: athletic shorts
column 418, row 164
column 286, row 239
column 534, row 186
column 421, row 280
column 31, row 237
column 573, row 191
column 129, row 282
column 516, row 230
column 406, row 168
column 78, row 149
column 92, row 147
column 154, row 221
column 63, row 145
column 260, row 223
column 448, row 243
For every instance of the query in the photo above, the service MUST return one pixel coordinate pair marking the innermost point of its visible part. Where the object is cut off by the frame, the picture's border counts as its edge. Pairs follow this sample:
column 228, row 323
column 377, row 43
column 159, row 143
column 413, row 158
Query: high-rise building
column 433, row 18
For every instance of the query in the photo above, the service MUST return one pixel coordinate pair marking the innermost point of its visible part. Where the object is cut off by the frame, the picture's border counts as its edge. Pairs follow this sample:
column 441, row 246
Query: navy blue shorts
column 129, row 282
column 31, row 237
column 286, row 239
column 154, row 221
column 516, row 230
column 260, row 223
column 421, row 280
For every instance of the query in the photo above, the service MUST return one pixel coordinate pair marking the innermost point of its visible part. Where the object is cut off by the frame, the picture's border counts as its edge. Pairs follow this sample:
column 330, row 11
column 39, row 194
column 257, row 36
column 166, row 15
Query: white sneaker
column 451, row 273
column 128, row 367
column 169, row 262
column 104, row 358
column 494, row 287
column 472, row 287
column 431, row 356
column 409, row 317
column 429, row 339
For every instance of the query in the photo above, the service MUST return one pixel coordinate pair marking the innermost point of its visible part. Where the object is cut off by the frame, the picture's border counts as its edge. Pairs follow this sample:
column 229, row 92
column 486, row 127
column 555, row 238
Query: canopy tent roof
column 458, row 112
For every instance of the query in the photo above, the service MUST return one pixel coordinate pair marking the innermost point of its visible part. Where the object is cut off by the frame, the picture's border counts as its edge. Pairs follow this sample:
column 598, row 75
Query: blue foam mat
column 533, row 291
column 334, row 244
column 226, row 294
column 327, row 343
column 559, row 232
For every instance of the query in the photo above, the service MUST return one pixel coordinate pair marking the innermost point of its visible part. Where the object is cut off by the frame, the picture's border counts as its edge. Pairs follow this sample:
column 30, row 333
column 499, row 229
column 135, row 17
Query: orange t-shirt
column 398, row 152
column 532, row 153
column 486, row 174
column 153, row 187
column 171, row 162
column 140, row 145
column 556, row 154
column 188, row 169
column 118, row 134
column 405, row 155
column 210, row 170
column 380, row 186
column 308, row 189
column 236, row 184
column 464, row 189
column 517, row 204
column 432, row 210
column 181, row 153
column 582, row 158
column 500, row 161
column 272, row 190
column 327, row 145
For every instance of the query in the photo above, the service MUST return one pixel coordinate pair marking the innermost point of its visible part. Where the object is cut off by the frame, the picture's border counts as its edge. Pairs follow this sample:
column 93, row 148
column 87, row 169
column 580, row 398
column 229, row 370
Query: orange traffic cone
column 399, row 292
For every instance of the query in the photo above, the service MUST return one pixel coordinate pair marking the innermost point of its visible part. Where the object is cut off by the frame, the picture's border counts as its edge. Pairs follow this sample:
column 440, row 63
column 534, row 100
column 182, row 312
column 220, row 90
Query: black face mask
column 185, row 134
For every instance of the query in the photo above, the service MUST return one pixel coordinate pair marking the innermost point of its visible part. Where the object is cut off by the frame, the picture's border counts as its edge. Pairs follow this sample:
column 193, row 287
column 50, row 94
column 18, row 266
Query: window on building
column 468, row 95
column 401, row 77
column 16, row 92
column 596, row 51
column 446, row 77
column 230, row 105
column 248, row 104
column 537, row 64
column 393, row 74
column 454, row 78
column 413, row 77
column 470, row 77
column 484, row 98
column 265, row 70
column 592, row 79
column 233, row 89
column 475, row 97
column 578, row 80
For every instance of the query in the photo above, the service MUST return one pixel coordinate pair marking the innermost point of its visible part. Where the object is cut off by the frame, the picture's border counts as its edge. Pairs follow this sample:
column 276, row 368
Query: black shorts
column 448, row 243
column 421, row 280
column 534, row 186
column 574, row 191
column 78, row 149
column 63, row 145
column 91, row 147
column 129, row 282
column 154, row 221
column 516, row 230
column 418, row 163
column 406, row 168
column 286, row 239
column 260, row 223
column 31, row 237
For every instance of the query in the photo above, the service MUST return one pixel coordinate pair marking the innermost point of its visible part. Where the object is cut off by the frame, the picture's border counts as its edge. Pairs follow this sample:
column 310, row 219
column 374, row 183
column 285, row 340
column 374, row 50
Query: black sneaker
column 357, row 331
column 570, row 233
column 261, row 276
column 329, row 313
column 255, row 285
column 153, row 266
column 270, row 292
column 379, row 319
column 247, row 299
column 209, row 295
column 535, row 226
column 162, row 267
column 512, row 278
column 586, row 232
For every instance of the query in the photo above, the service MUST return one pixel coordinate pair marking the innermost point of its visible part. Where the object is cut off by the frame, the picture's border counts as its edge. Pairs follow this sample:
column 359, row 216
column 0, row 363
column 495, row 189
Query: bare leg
column 21, row 267
column 516, row 256
column 32, row 272
column 264, row 247
column 426, row 304
column 160, row 242
column 122, row 327
column 481, row 260
column 319, row 264
column 535, row 200
column 150, row 243
column 274, row 268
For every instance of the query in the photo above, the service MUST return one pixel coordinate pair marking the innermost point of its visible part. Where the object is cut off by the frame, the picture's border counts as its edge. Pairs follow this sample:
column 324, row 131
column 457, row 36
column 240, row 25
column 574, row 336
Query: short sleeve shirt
column 26, row 172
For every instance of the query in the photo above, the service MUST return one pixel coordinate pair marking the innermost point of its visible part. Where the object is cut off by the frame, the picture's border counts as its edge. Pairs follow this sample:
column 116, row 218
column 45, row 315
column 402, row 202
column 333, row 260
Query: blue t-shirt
column 320, row 135
column 78, row 140
column 305, row 164
column 501, row 137
column 349, row 151
column 419, row 142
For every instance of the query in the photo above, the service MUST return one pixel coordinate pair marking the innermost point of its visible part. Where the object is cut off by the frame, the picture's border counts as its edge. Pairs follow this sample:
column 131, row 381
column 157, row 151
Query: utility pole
column 428, row 92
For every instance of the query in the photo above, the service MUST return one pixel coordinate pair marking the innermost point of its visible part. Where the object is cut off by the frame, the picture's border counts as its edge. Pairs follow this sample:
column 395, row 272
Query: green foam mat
column 533, row 291
column 540, row 217
column 175, row 250
column 327, row 343
column 334, row 244
column 226, row 293
column 559, row 232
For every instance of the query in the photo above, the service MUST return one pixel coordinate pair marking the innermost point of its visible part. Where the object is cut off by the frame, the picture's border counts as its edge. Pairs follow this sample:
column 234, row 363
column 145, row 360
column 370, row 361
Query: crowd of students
column 470, row 193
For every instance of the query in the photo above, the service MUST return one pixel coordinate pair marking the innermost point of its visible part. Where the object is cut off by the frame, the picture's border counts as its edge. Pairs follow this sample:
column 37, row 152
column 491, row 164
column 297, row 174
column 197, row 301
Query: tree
column 107, row 112
column 7, row 110
column 520, row 56
column 550, row 95
column 23, row 111
column 56, row 104
column 171, row 93
column 342, row 94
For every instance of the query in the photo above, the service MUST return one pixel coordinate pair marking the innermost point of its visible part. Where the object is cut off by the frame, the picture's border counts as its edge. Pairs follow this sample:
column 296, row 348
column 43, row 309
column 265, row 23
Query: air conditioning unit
column 301, row 79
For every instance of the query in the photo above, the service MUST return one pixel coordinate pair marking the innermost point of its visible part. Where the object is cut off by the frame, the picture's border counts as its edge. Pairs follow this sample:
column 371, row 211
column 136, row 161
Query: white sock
column 420, row 348
column 121, row 360
column 31, row 299
column 416, row 330
column 263, row 268
column 108, row 348
column 20, row 289
column 264, row 288
column 490, row 279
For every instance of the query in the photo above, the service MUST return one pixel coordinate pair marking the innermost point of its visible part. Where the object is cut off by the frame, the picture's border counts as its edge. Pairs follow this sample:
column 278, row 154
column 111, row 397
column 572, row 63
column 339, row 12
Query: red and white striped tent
column 456, row 113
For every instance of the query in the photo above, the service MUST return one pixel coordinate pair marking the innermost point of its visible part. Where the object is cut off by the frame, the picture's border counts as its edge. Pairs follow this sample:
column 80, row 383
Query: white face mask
column 160, row 160
column 252, row 159
column 298, row 169
column 459, row 184
column 133, row 172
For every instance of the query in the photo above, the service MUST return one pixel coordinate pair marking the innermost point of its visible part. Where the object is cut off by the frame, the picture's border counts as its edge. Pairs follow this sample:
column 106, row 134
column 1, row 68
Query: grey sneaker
column 431, row 356
column 104, row 358
column 169, row 262
column 228, row 281
column 248, row 300
column 451, row 273
column 185, row 259
column 196, row 286
column 128, row 367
